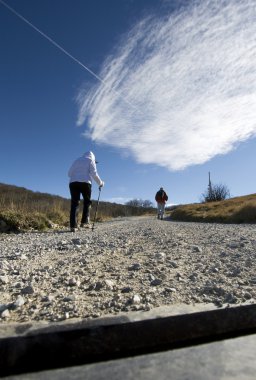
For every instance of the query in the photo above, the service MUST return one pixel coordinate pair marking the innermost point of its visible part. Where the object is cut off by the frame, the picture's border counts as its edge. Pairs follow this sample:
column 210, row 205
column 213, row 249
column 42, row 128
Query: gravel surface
column 124, row 265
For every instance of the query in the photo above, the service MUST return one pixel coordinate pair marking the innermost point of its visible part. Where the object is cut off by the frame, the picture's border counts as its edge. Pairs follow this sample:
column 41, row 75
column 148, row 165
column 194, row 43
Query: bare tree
column 147, row 203
column 216, row 193
column 139, row 203
column 134, row 202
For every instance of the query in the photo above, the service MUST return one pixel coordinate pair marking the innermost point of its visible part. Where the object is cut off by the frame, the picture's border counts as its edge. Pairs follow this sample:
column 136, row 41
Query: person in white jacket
column 81, row 173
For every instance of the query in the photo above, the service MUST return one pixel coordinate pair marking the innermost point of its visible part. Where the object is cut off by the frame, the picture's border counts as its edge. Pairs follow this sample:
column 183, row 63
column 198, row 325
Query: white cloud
column 185, row 86
column 119, row 200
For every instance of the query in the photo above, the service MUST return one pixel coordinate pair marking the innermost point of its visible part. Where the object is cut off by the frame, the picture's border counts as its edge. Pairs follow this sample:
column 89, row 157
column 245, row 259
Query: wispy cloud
column 185, row 86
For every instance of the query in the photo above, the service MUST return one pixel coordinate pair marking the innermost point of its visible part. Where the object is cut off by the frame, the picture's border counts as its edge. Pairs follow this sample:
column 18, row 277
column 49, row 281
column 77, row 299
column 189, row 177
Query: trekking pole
column 96, row 208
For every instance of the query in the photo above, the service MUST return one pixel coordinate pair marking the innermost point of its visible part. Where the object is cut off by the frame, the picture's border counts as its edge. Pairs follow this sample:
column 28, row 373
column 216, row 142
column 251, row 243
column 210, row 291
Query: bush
column 12, row 221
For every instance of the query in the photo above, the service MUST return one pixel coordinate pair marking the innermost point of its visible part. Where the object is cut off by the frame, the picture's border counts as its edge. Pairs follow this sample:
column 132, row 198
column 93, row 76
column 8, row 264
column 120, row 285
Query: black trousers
column 76, row 189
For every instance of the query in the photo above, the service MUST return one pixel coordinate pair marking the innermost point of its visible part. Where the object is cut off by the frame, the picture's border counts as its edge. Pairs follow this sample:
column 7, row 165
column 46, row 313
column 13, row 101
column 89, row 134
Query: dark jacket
column 161, row 196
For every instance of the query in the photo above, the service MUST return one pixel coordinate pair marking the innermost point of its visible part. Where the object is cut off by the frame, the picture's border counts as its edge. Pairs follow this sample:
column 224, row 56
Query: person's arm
column 94, row 174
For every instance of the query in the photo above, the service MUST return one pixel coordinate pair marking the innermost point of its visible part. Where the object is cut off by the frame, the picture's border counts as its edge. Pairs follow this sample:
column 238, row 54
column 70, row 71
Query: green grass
column 233, row 210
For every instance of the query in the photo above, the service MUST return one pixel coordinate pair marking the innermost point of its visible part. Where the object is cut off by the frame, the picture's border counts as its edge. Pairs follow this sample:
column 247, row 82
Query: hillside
column 22, row 209
column 233, row 210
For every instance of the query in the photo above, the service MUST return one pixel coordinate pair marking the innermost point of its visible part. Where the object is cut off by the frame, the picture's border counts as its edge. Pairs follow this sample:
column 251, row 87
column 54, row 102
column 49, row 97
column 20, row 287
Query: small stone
column 135, row 266
column 160, row 256
column 74, row 282
column 156, row 282
column 193, row 277
column 127, row 289
column 170, row 290
column 43, row 312
column 28, row 290
column 19, row 301
column 109, row 284
column 136, row 299
column 195, row 248
column 48, row 299
column 96, row 286
column 218, row 303
column 77, row 241
column 69, row 298
column 234, row 245
column 151, row 277
column 173, row 264
column 4, row 280
column 47, row 268
column 247, row 295
column 5, row 314
column 3, row 307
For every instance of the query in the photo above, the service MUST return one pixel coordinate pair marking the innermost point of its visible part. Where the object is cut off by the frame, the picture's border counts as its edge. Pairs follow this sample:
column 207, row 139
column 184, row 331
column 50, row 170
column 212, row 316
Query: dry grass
column 22, row 209
column 234, row 210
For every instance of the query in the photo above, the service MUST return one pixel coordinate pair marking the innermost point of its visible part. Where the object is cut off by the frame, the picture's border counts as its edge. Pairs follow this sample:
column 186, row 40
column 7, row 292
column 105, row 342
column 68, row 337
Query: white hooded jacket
column 84, row 170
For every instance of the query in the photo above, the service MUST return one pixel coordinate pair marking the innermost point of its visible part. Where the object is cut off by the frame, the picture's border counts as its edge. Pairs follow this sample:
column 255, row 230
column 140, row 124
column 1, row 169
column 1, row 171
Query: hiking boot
column 73, row 229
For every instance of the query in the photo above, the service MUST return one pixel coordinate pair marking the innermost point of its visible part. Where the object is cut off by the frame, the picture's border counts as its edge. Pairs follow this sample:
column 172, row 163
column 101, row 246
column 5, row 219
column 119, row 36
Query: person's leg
column 86, row 190
column 75, row 198
column 162, row 211
column 158, row 210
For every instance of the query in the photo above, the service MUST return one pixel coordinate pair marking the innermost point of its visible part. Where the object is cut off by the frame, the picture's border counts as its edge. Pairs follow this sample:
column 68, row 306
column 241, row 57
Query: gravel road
column 124, row 265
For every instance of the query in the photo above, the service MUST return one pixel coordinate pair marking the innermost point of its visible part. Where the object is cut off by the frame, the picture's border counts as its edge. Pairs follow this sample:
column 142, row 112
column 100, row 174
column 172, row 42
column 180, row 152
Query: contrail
column 63, row 50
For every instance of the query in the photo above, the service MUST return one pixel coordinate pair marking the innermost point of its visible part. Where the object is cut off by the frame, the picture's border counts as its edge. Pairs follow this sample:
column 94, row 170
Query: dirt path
column 124, row 265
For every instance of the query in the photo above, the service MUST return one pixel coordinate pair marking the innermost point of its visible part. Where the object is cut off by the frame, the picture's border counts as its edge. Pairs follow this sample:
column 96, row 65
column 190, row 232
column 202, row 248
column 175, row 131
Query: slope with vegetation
column 22, row 209
column 233, row 210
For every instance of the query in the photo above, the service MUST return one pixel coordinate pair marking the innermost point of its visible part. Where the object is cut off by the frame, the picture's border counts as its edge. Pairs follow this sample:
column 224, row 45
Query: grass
column 22, row 209
column 233, row 210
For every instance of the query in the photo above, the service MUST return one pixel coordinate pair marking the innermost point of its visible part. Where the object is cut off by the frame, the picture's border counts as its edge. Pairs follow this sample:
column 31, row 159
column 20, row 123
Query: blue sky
column 175, row 99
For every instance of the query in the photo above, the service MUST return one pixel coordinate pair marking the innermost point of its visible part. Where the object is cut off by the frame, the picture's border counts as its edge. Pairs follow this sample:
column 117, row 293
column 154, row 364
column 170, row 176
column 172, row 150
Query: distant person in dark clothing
column 161, row 198
column 82, row 172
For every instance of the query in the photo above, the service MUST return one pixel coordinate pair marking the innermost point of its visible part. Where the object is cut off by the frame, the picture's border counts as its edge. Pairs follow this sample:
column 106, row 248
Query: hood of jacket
column 89, row 155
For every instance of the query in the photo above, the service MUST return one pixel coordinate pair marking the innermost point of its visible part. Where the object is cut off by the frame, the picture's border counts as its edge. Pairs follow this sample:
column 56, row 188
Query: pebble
column 20, row 301
column 127, row 264
column 4, row 279
column 160, row 256
column 109, row 284
column 28, row 290
column 196, row 249
column 136, row 299
column 5, row 314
